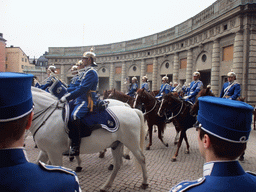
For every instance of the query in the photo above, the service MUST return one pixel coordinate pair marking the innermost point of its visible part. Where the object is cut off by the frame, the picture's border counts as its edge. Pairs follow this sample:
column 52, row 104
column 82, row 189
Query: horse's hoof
column 173, row 159
column 78, row 169
column 111, row 167
column 102, row 155
column 241, row 159
column 144, row 186
column 186, row 152
column 167, row 145
column 175, row 143
column 147, row 148
column 102, row 190
column 36, row 146
column 71, row 158
column 127, row 157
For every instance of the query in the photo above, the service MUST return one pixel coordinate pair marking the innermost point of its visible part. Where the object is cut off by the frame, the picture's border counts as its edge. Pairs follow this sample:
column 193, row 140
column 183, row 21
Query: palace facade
column 219, row 39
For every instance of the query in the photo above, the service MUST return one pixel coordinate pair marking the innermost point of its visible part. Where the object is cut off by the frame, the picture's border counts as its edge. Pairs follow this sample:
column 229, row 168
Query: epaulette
column 185, row 185
column 56, row 168
column 252, row 173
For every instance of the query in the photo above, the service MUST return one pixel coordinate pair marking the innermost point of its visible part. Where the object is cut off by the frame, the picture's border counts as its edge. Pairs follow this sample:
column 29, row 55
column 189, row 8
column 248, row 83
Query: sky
column 35, row 25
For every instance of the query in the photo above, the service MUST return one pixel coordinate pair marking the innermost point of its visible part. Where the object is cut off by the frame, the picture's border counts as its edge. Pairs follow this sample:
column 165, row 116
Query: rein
column 151, row 109
column 170, row 118
column 42, row 112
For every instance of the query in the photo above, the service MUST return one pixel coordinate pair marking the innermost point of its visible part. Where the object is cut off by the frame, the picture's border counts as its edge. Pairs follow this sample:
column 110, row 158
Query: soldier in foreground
column 223, row 133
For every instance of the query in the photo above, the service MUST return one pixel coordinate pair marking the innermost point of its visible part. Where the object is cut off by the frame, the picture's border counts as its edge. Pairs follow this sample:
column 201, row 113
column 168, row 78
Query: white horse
column 48, row 130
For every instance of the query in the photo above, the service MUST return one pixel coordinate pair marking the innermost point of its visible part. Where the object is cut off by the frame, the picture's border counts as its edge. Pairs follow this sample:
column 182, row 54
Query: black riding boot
column 75, row 137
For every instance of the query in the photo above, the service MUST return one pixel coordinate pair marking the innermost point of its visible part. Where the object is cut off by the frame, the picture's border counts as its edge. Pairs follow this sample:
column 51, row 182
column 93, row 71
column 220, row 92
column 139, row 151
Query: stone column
column 251, row 96
column 123, row 78
column 238, row 57
column 176, row 68
column 143, row 70
column 215, row 71
column 154, row 76
column 189, row 66
column 111, row 76
column 62, row 73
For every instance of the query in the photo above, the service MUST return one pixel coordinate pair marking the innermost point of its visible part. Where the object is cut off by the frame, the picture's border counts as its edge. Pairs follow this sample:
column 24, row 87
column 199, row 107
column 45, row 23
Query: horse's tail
column 142, row 128
column 142, row 136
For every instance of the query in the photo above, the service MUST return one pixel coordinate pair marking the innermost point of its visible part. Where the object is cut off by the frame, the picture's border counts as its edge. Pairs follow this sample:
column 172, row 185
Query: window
column 118, row 70
column 183, row 63
column 148, row 53
column 22, row 59
column 204, row 57
column 22, row 66
column 25, row 60
column 225, row 27
column 150, row 68
column 103, row 70
column 134, row 68
column 228, row 53
column 167, row 65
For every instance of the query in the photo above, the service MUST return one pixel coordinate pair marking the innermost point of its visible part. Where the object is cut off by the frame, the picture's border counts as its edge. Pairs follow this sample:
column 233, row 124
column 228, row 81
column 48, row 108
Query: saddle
column 101, row 118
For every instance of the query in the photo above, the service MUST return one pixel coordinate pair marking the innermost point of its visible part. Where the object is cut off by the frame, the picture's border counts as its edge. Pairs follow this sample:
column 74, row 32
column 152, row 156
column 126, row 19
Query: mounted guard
column 145, row 83
column 231, row 89
column 195, row 87
column 164, row 89
column 51, row 71
column 85, row 95
column 133, row 88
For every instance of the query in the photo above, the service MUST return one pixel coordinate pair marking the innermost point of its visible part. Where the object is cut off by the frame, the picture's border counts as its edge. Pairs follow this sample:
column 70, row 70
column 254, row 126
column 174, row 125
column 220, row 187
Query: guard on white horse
column 85, row 95
column 74, row 81
column 51, row 71
column 48, row 129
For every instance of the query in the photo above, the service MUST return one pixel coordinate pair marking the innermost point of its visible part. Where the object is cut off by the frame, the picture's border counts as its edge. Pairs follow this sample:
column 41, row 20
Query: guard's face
column 231, row 78
column 86, row 61
column 164, row 81
column 196, row 78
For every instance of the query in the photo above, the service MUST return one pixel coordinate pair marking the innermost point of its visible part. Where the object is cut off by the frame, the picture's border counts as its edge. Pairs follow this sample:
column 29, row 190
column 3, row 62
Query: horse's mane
column 146, row 92
column 120, row 94
column 43, row 96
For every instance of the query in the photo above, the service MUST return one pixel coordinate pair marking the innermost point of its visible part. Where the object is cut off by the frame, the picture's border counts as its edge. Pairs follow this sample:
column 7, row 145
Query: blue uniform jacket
column 233, row 91
column 74, row 83
column 222, row 177
column 194, row 89
column 164, row 88
column 133, row 89
column 145, row 86
column 88, row 82
column 49, row 82
column 17, row 174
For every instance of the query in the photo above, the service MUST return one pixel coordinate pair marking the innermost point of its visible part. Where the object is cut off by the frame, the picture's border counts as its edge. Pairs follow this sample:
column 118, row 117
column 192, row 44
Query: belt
column 90, row 101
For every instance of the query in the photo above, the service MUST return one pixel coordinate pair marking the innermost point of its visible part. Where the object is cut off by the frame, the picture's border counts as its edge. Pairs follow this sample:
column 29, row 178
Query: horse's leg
column 176, row 139
column 154, row 128
column 160, row 131
column 150, row 127
column 174, row 158
column 126, row 153
column 102, row 153
column 55, row 158
column 186, row 140
column 141, row 160
column 42, row 157
column 79, row 161
column 117, row 152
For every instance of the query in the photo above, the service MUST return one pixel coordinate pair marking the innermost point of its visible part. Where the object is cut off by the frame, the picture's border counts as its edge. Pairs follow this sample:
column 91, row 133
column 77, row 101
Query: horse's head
column 204, row 92
column 140, row 97
column 106, row 93
column 112, row 94
column 168, row 103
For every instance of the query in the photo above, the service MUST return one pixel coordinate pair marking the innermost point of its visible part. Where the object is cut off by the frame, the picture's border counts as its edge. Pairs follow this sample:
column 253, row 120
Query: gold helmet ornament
column 134, row 79
column 165, row 78
column 89, row 54
column 74, row 68
column 144, row 77
column 80, row 62
column 196, row 73
column 52, row 68
column 231, row 74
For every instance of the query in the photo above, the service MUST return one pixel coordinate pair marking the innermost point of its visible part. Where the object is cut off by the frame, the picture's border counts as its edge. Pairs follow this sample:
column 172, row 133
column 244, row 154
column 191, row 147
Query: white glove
column 63, row 99
column 186, row 97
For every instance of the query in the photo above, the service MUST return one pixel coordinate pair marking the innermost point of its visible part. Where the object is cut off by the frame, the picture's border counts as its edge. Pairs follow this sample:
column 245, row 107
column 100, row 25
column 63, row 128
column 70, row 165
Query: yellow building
column 17, row 60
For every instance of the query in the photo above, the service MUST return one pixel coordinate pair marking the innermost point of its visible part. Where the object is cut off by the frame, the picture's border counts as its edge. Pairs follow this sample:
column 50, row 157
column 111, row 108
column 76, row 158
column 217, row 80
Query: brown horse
column 151, row 105
column 180, row 117
column 118, row 95
column 106, row 93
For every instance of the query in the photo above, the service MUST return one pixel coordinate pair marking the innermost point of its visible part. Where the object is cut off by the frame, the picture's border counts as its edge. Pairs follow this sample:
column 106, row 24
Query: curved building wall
column 218, row 39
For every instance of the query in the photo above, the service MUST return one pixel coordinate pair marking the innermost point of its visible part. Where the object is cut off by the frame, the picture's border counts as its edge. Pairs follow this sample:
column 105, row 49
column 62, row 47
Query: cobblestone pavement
column 162, row 173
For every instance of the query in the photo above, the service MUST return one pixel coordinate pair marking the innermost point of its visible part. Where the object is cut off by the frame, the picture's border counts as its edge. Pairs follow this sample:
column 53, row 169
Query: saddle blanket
column 105, row 119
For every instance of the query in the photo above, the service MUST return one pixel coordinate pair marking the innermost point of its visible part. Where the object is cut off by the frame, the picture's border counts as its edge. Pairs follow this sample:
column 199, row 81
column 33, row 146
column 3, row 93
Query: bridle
column 147, row 112
column 172, row 109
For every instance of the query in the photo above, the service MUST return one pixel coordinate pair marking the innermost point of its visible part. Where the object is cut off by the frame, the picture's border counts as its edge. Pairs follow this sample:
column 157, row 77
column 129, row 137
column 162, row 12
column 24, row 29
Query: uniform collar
column 11, row 157
column 223, row 168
